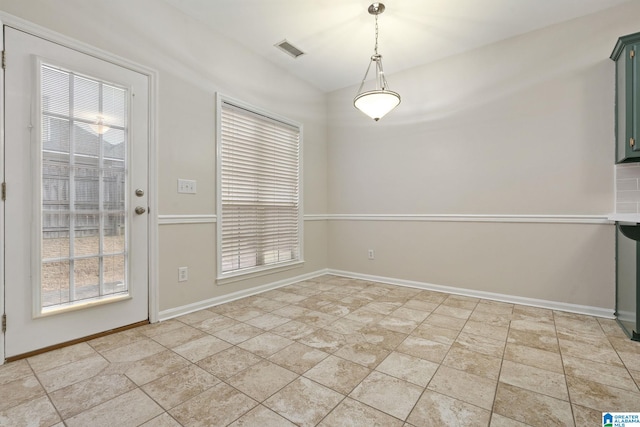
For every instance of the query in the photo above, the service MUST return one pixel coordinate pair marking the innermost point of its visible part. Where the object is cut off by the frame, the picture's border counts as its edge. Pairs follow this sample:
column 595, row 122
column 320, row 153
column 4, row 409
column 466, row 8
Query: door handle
column 140, row 210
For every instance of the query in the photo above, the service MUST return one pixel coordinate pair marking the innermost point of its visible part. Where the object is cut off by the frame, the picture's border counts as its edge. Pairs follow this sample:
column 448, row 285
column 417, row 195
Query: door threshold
column 76, row 341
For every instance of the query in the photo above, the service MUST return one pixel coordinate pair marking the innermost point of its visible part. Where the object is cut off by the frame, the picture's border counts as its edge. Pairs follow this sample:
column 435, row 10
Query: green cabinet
column 625, row 54
column 628, row 279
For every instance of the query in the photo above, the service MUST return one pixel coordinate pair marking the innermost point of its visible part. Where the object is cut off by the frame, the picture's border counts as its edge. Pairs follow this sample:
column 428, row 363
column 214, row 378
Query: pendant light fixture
column 378, row 102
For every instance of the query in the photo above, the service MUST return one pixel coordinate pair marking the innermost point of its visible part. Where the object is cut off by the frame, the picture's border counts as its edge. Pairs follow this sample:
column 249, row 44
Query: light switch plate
column 186, row 186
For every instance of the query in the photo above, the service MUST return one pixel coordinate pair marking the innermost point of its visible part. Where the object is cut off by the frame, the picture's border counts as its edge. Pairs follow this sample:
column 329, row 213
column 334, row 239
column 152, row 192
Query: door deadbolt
column 140, row 210
column 139, row 192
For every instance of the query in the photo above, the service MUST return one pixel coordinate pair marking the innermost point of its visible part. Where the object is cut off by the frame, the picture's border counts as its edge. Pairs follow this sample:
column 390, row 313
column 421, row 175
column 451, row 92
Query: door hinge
column 4, row 323
column 4, row 191
column 632, row 54
column 632, row 143
column 4, row 60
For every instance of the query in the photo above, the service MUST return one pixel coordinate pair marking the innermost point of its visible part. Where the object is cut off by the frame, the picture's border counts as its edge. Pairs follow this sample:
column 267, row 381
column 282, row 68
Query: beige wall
column 521, row 127
column 193, row 63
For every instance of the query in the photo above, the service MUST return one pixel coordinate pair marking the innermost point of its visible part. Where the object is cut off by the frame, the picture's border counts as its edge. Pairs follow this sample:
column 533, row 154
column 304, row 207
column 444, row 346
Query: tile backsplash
column 628, row 188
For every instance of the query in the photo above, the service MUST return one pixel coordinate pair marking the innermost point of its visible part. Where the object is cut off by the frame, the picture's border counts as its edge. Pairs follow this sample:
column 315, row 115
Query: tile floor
column 336, row 352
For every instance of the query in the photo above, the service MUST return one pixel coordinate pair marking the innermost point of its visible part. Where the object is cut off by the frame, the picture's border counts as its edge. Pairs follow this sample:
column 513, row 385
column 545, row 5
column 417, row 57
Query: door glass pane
column 84, row 185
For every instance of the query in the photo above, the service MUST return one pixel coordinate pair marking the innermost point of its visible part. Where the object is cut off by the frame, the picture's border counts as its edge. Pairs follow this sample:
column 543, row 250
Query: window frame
column 236, row 275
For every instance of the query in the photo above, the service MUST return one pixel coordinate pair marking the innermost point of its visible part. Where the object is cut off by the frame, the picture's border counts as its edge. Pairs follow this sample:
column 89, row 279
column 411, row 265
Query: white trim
column 316, row 217
column 553, row 219
column 187, row 219
column 211, row 302
column 2, row 221
column 152, row 190
column 551, row 305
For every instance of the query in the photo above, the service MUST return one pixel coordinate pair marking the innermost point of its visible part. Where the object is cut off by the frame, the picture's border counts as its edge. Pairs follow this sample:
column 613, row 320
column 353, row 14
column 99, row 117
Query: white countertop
column 624, row 217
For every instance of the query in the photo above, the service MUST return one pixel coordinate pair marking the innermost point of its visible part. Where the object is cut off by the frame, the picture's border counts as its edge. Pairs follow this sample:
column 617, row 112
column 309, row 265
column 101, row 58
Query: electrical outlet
column 371, row 254
column 183, row 274
column 186, row 186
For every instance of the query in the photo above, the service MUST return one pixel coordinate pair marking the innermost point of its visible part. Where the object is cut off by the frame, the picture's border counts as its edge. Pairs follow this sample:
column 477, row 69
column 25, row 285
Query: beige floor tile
column 365, row 354
column 455, row 312
column 481, row 344
column 266, row 344
column 531, row 325
column 424, row 306
column 163, row 420
column 410, row 314
column 435, row 409
column 498, row 420
column 408, row 368
column 524, row 312
column 602, row 397
column 292, row 402
column 13, row 371
column 534, row 379
column 424, row 349
column 180, row 386
column 261, row 416
column 338, row 374
column 298, row 358
column 571, row 323
column 228, row 362
column 431, row 296
column 459, row 301
column 238, row 333
column 111, row 341
column 489, row 318
column 596, row 350
column 387, row 394
column 86, row 394
column 267, row 321
column 197, row 349
column 196, row 317
column 495, row 307
column 287, row 297
column 322, row 339
column 262, row 380
column 611, row 328
column 293, row 330
column 615, row 376
column 383, row 337
column 435, row 333
column 531, row 408
column 153, row 329
column 398, row 324
column 535, row 357
column 351, row 413
column 636, row 376
column 153, row 367
column 628, row 351
column 449, row 322
column 268, row 305
column 345, row 326
column 540, row 341
column 62, row 356
column 218, row 406
column 247, row 313
column 71, row 373
column 472, row 362
column 586, row 417
column 316, row 319
column 20, row 391
column 178, row 336
column 215, row 324
column 470, row 388
column 134, row 351
column 385, row 308
column 335, row 309
column 35, row 412
column 129, row 409
column 498, row 333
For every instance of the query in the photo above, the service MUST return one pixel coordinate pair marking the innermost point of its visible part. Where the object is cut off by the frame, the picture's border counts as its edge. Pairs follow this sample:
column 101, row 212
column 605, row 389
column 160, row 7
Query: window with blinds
column 259, row 212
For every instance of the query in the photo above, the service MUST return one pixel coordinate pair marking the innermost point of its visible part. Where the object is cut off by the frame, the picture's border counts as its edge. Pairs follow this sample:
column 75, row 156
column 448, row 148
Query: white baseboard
column 211, row 302
column 551, row 305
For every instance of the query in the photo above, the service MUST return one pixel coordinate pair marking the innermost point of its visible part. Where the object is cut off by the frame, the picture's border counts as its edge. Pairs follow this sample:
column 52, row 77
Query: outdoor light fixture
column 378, row 102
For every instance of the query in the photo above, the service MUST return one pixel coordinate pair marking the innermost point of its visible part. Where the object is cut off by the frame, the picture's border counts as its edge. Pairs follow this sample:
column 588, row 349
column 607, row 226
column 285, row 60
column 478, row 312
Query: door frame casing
column 152, row 189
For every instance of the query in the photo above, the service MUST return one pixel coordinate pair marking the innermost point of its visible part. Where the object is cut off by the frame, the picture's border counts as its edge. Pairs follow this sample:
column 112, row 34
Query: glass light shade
column 376, row 103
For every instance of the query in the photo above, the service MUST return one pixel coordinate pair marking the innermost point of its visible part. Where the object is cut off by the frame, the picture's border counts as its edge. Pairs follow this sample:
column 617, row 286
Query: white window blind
column 259, row 208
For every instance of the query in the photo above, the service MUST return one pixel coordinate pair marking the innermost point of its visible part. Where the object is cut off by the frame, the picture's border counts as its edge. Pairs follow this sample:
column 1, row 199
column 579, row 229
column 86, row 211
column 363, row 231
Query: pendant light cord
column 375, row 49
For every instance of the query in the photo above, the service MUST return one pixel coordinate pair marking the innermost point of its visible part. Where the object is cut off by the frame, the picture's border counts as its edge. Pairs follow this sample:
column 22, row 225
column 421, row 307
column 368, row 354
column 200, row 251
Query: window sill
column 262, row 271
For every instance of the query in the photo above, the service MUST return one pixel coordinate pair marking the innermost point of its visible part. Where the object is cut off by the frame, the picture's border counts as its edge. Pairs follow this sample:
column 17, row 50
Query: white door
column 76, row 171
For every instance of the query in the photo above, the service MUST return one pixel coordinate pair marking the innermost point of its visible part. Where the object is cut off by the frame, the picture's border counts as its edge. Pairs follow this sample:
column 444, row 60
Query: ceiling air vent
column 289, row 49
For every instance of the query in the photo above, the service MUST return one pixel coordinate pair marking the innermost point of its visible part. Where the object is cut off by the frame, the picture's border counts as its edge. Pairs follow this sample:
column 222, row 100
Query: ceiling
column 337, row 36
